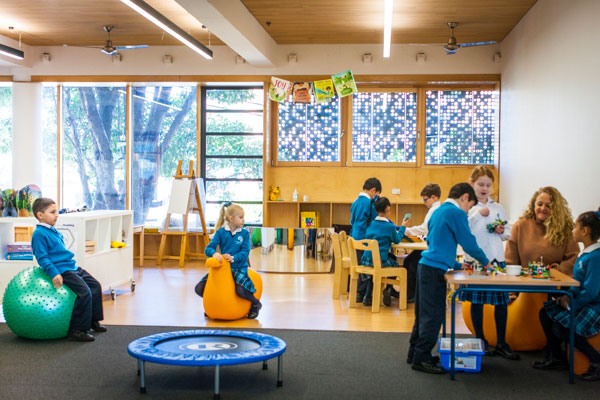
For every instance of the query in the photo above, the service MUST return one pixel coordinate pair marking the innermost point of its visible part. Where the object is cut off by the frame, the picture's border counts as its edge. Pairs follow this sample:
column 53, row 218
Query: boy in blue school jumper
column 447, row 227
column 53, row 257
column 362, row 213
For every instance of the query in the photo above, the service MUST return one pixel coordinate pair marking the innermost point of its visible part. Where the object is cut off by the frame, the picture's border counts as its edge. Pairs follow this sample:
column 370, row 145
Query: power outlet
column 396, row 191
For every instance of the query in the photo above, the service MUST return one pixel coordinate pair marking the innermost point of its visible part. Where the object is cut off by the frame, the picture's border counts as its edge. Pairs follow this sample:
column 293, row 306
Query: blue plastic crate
column 467, row 354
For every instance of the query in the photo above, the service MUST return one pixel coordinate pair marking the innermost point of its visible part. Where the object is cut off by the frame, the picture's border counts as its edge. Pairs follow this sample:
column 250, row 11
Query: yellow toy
column 220, row 300
column 274, row 193
column 117, row 245
column 523, row 329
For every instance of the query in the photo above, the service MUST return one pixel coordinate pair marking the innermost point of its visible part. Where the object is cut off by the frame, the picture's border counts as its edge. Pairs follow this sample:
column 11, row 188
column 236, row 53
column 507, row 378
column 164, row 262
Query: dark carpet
column 316, row 365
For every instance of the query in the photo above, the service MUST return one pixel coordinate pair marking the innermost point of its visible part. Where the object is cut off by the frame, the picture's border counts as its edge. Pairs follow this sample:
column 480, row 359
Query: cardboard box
column 310, row 219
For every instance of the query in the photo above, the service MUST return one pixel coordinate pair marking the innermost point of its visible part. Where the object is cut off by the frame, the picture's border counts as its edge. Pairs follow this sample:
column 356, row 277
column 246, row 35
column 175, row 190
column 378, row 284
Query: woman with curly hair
column 544, row 232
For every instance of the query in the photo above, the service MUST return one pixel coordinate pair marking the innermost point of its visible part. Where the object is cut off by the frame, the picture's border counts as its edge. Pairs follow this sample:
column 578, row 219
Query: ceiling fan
column 452, row 45
column 110, row 49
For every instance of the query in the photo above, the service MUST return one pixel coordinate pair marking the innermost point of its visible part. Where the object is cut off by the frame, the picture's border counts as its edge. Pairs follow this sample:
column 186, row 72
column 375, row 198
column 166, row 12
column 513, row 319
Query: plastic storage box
column 468, row 354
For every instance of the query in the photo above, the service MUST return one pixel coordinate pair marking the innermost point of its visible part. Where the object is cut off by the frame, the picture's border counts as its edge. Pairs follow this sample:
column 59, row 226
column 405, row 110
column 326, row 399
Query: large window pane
column 251, row 122
column 234, row 168
column 462, row 127
column 49, row 149
column 94, row 147
column 309, row 132
column 6, row 137
column 164, row 132
column 384, row 127
column 234, row 145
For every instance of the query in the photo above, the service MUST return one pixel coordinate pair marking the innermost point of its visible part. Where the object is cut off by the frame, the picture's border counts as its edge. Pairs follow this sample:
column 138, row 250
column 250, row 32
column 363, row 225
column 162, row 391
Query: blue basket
column 467, row 354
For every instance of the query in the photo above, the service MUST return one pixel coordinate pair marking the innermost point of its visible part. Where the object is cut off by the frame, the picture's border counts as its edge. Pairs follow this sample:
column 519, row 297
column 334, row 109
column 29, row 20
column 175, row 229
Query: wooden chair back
column 342, row 264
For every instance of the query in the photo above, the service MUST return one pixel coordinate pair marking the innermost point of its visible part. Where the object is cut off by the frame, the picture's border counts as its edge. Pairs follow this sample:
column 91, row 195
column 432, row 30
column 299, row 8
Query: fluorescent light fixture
column 168, row 26
column 10, row 52
column 387, row 27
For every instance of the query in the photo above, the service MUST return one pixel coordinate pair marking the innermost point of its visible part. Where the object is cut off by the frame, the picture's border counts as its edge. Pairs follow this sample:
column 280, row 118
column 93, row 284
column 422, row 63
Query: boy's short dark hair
column 372, row 183
column 381, row 204
column 431, row 189
column 40, row 205
column 461, row 188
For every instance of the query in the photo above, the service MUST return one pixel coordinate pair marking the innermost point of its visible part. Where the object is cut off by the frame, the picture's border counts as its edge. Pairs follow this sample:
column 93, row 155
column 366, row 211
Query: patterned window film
column 309, row 132
column 384, row 127
column 462, row 126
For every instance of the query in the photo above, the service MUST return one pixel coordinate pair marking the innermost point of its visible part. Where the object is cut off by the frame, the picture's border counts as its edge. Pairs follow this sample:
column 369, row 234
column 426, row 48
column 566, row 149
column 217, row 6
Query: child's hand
column 484, row 211
column 499, row 229
column 218, row 257
column 57, row 281
column 228, row 257
column 466, row 266
column 563, row 301
column 406, row 222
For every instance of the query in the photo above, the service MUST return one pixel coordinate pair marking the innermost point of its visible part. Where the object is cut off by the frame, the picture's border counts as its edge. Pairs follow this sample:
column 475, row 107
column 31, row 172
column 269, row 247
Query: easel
column 193, row 189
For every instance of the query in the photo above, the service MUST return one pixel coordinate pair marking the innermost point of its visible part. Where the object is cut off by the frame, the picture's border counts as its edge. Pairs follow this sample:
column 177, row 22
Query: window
column 461, row 126
column 164, row 132
column 232, row 151
column 309, row 132
column 49, row 151
column 6, row 137
column 94, row 147
column 384, row 127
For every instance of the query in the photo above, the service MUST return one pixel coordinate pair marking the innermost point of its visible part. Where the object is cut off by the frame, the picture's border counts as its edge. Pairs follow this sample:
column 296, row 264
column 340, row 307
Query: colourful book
column 323, row 90
column 344, row 83
column 19, row 256
column 18, row 247
column 280, row 89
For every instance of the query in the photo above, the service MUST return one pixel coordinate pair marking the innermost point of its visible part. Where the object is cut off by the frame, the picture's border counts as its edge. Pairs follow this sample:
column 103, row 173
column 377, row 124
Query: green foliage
column 5, row 120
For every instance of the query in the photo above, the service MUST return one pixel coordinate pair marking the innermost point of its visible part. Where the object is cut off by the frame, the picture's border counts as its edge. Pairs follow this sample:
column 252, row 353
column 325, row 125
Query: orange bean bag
column 580, row 362
column 220, row 300
column 523, row 329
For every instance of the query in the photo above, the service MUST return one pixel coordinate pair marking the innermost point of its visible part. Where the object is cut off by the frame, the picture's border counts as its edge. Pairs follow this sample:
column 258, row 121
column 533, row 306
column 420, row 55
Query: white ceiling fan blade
column 139, row 46
column 477, row 44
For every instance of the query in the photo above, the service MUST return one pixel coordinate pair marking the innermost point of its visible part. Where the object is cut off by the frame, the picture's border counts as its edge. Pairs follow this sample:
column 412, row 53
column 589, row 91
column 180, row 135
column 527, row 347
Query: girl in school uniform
column 555, row 316
column 386, row 233
column 486, row 212
column 234, row 245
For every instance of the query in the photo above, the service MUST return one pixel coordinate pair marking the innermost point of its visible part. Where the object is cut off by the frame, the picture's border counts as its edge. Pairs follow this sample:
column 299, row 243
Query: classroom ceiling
column 80, row 22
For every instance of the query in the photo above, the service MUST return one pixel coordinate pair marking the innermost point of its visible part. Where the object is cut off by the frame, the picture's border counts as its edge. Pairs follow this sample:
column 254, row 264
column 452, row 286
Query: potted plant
column 9, row 202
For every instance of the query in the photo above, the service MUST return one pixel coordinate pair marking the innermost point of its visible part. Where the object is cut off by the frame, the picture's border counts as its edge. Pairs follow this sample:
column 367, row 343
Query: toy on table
column 538, row 270
column 492, row 227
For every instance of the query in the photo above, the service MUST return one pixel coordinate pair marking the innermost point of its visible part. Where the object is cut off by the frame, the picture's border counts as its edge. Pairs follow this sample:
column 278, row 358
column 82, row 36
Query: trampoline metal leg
column 279, row 371
column 265, row 365
column 142, row 369
column 217, row 395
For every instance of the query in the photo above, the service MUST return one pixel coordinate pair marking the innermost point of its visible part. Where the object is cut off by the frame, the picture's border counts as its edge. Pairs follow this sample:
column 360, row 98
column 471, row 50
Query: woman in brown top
column 544, row 232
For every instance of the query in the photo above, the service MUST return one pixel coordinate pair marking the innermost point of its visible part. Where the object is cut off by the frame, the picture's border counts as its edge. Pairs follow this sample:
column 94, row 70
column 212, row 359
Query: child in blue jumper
column 386, row 233
column 55, row 260
column 448, row 227
column 555, row 317
column 234, row 246
column 362, row 213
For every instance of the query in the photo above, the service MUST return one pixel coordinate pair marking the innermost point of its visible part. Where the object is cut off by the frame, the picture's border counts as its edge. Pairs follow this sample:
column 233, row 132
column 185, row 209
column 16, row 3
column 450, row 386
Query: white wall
column 550, row 131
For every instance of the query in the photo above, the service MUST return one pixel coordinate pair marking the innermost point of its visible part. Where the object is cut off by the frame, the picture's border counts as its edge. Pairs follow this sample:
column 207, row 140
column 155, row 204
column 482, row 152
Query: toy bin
column 467, row 352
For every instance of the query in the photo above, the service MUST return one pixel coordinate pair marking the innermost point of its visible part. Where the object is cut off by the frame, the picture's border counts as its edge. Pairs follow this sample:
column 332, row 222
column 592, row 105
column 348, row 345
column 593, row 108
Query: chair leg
column 376, row 293
column 403, row 287
column 337, row 277
column 353, row 290
column 344, row 281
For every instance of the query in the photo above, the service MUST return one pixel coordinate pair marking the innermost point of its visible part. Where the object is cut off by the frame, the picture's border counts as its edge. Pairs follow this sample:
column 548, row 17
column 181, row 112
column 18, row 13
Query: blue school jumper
column 362, row 213
column 586, row 298
column 50, row 252
column 237, row 244
column 385, row 233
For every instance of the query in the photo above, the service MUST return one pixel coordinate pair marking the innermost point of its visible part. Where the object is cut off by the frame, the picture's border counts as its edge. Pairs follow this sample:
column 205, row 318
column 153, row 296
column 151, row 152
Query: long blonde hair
column 227, row 210
column 559, row 225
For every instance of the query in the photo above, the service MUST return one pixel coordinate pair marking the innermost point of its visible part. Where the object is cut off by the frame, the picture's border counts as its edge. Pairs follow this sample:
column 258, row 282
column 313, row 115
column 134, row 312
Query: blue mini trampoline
column 209, row 347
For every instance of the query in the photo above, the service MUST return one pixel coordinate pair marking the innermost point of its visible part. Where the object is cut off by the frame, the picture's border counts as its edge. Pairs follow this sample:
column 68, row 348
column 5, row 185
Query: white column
column 26, row 134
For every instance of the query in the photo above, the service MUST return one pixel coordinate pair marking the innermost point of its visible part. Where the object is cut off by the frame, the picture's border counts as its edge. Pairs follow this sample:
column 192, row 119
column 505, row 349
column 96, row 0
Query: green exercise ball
column 34, row 309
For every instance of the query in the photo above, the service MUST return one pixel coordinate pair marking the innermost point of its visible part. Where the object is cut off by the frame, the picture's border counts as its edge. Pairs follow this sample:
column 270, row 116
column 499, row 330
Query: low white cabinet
column 110, row 266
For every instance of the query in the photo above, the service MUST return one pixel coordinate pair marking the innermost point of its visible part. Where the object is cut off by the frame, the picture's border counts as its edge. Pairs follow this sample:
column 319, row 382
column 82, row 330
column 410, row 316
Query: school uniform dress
column 385, row 233
column 491, row 244
column 586, row 297
column 237, row 244
column 448, row 227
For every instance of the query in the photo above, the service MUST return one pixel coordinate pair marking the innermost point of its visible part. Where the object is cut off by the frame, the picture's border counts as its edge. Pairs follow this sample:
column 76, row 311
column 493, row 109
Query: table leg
column 217, row 395
column 279, row 371
column 265, row 365
column 142, row 371
column 453, row 332
column 571, row 338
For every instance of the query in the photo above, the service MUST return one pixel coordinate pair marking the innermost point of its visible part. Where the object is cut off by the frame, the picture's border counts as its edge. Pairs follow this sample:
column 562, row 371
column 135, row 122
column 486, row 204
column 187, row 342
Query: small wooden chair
column 381, row 276
column 341, row 271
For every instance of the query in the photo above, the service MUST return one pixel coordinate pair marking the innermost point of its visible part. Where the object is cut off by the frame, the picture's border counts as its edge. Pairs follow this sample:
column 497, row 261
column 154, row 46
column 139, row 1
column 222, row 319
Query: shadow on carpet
column 316, row 365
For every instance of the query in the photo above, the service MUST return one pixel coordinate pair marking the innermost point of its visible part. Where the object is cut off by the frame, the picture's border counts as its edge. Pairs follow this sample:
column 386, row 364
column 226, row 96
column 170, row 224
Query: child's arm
column 211, row 248
column 590, row 288
column 39, row 246
column 468, row 242
column 244, row 252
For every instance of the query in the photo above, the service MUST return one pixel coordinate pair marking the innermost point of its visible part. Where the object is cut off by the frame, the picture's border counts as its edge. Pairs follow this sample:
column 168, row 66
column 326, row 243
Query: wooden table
column 557, row 283
column 402, row 248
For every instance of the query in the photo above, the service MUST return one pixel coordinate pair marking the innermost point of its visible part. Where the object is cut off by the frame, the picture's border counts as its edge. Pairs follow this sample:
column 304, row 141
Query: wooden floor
column 164, row 296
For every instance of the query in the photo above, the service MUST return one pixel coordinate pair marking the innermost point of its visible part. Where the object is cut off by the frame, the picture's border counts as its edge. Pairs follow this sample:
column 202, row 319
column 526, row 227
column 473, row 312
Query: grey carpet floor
column 316, row 365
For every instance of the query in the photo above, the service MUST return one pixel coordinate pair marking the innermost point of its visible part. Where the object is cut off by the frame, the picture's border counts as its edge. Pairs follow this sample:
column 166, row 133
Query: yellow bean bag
column 220, row 300
column 523, row 329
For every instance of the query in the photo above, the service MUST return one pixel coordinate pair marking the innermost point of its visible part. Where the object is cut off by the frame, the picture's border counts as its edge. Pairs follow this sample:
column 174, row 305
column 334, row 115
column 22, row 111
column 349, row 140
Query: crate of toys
column 467, row 354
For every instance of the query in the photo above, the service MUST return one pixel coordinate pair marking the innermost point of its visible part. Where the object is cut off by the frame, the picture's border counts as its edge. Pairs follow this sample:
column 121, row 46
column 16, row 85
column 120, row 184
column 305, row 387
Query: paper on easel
column 180, row 196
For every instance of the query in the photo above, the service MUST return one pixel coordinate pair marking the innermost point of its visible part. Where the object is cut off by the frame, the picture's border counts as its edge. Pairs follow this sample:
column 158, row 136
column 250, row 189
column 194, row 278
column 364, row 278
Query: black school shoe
column 505, row 351
column 254, row 310
column 387, row 296
column 96, row 327
column 80, row 336
column 592, row 374
column 434, row 359
column 429, row 367
column 550, row 363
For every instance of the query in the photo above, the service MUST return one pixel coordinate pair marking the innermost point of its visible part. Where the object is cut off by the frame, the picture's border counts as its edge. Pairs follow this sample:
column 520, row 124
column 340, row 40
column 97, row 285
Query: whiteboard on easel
column 180, row 196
